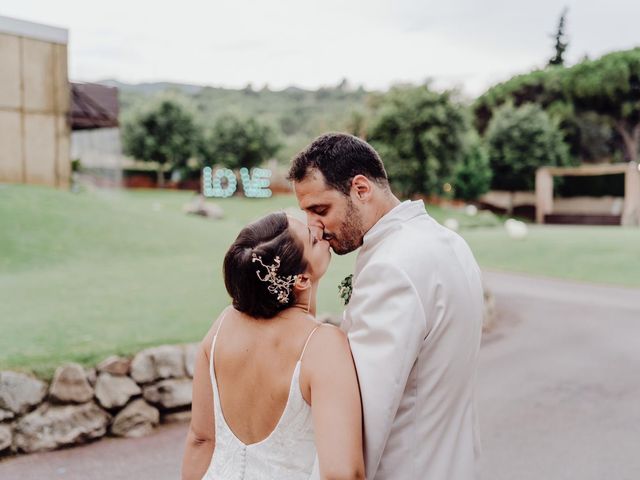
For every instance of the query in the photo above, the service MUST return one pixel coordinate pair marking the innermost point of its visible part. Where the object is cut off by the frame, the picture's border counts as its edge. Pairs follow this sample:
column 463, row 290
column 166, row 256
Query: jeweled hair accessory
column 278, row 285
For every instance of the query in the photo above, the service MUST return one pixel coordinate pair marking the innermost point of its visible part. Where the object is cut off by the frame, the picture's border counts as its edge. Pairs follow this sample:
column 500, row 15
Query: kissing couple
column 389, row 395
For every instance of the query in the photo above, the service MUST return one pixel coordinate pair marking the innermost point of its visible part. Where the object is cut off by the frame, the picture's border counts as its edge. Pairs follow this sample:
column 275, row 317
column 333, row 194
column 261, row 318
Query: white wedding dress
column 288, row 453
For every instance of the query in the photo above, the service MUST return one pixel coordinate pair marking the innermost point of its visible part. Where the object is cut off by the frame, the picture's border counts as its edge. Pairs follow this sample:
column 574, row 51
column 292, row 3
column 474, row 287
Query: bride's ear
column 303, row 281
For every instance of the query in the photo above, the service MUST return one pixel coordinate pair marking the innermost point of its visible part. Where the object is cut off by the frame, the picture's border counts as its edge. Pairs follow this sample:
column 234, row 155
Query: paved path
column 156, row 457
column 558, row 391
column 559, row 382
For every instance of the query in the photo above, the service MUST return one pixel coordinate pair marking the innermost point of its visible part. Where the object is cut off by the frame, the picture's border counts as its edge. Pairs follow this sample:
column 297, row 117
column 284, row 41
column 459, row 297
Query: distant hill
column 298, row 115
column 151, row 88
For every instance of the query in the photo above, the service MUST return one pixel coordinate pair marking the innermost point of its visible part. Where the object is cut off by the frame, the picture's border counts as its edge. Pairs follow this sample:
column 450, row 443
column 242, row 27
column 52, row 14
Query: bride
column 273, row 390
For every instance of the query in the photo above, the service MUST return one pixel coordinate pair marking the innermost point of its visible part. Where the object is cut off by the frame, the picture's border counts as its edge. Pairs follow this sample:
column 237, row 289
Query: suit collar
column 399, row 214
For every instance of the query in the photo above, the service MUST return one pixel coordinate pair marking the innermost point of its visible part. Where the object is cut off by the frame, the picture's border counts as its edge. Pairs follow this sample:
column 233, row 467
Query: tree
column 544, row 87
column 472, row 176
column 164, row 132
column 357, row 124
column 607, row 89
column 561, row 41
column 419, row 134
column 289, row 124
column 610, row 88
column 237, row 143
column 520, row 140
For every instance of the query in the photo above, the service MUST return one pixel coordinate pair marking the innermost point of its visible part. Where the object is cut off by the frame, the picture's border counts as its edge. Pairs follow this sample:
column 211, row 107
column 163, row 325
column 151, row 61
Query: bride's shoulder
column 330, row 329
column 327, row 356
column 327, row 339
column 207, row 340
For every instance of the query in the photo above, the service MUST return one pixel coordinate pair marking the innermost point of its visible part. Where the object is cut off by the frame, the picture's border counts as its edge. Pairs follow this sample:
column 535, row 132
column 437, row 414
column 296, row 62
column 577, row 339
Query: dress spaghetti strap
column 213, row 344
column 307, row 342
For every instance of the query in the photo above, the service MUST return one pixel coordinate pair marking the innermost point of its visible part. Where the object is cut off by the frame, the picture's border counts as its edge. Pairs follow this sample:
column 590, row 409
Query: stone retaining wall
column 120, row 397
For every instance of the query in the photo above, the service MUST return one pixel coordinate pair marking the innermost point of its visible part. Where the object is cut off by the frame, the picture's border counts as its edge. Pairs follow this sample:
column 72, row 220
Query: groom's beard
column 350, row 235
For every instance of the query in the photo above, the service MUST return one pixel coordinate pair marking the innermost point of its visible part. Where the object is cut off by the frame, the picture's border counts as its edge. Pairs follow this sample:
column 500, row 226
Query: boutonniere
column 345, row 288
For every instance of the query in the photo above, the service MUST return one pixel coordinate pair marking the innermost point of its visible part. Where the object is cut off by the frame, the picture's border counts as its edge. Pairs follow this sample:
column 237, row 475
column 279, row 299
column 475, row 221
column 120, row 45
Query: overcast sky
column 464, row 43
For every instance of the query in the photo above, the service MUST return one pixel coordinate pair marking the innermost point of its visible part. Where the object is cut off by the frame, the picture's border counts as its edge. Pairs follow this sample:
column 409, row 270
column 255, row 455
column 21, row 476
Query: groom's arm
column 387, row 328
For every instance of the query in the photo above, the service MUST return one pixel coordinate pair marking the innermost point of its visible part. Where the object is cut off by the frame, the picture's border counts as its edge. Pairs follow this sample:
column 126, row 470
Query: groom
column 414, row 318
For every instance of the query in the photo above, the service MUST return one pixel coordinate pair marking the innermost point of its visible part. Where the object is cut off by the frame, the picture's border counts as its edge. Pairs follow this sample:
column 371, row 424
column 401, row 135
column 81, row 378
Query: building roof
column 38, row 31
column 93, row 106
column 589, row 170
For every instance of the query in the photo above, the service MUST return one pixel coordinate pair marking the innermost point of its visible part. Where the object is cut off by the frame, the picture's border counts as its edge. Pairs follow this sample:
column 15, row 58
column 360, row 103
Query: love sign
column 223, row 183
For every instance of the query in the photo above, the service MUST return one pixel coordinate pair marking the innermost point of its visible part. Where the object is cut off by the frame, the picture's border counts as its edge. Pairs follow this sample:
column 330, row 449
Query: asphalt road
column 559, row 382
column 558, row 395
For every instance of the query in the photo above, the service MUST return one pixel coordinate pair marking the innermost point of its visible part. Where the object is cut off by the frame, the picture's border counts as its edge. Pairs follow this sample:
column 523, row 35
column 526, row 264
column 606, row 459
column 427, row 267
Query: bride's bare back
column 254, row 360
column 254, row 364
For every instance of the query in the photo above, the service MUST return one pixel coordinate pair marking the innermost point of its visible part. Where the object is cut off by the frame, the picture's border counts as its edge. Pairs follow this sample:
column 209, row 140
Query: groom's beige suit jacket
column 414, row 323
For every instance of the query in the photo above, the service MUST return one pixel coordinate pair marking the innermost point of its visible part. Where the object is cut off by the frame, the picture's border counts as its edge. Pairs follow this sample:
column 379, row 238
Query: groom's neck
column 383, row 204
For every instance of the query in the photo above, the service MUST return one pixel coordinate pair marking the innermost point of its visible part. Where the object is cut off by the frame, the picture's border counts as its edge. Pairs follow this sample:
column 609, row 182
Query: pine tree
column 561, row 41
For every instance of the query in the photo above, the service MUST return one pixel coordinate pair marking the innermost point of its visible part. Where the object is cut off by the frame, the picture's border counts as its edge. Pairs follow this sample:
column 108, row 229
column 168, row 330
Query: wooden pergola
column 631, row 171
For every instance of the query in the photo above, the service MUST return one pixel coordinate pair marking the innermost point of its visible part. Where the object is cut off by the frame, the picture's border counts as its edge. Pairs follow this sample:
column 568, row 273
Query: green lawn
column 86, row 275
column 585, row 253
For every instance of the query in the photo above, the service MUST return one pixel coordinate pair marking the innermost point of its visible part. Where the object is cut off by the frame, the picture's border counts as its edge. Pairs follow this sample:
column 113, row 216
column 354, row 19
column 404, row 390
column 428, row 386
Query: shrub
column 520, row 140
column 472, row 176
column 419, row 134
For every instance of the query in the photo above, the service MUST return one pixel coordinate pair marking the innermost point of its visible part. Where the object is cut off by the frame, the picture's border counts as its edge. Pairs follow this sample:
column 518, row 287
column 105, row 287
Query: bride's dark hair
column 267, row 238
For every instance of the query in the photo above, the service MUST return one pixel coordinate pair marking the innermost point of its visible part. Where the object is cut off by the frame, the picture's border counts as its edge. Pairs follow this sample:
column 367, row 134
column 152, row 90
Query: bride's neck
column 306, row 301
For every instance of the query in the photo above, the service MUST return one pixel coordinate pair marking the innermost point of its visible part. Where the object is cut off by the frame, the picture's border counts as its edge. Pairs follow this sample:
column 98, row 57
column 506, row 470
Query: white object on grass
column 452, row 224
column 471, row 210
column 516, row 229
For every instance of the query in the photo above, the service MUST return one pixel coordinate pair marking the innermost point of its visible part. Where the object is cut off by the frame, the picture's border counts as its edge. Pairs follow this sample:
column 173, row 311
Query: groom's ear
column 361, row 187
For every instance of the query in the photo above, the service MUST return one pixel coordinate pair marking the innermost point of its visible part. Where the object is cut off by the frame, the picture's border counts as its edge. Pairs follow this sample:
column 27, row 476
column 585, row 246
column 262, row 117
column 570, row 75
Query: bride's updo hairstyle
column 266, row 239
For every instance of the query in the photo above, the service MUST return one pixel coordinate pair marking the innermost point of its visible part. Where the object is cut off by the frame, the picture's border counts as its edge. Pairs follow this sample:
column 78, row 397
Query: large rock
column 135, row 420
column 6, row 438
column 20, row 392
column 70, row 385
column 115, row 365
column 169, row 393
column 181, row 416
column 489, row 314
column 166, row 361
column 200, row 206
column 6, row 415
column 91, row 375
column 114, row 391
column 52, row 426
column 190, row 353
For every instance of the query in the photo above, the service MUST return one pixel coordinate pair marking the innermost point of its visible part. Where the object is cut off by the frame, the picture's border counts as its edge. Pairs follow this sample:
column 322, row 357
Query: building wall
column 34, row 106
column 100, row 153
column 98, row 148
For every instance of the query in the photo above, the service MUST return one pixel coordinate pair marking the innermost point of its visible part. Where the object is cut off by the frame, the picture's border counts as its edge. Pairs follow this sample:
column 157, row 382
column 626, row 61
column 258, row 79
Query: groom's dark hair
column 339, row 157
column 267, row 238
